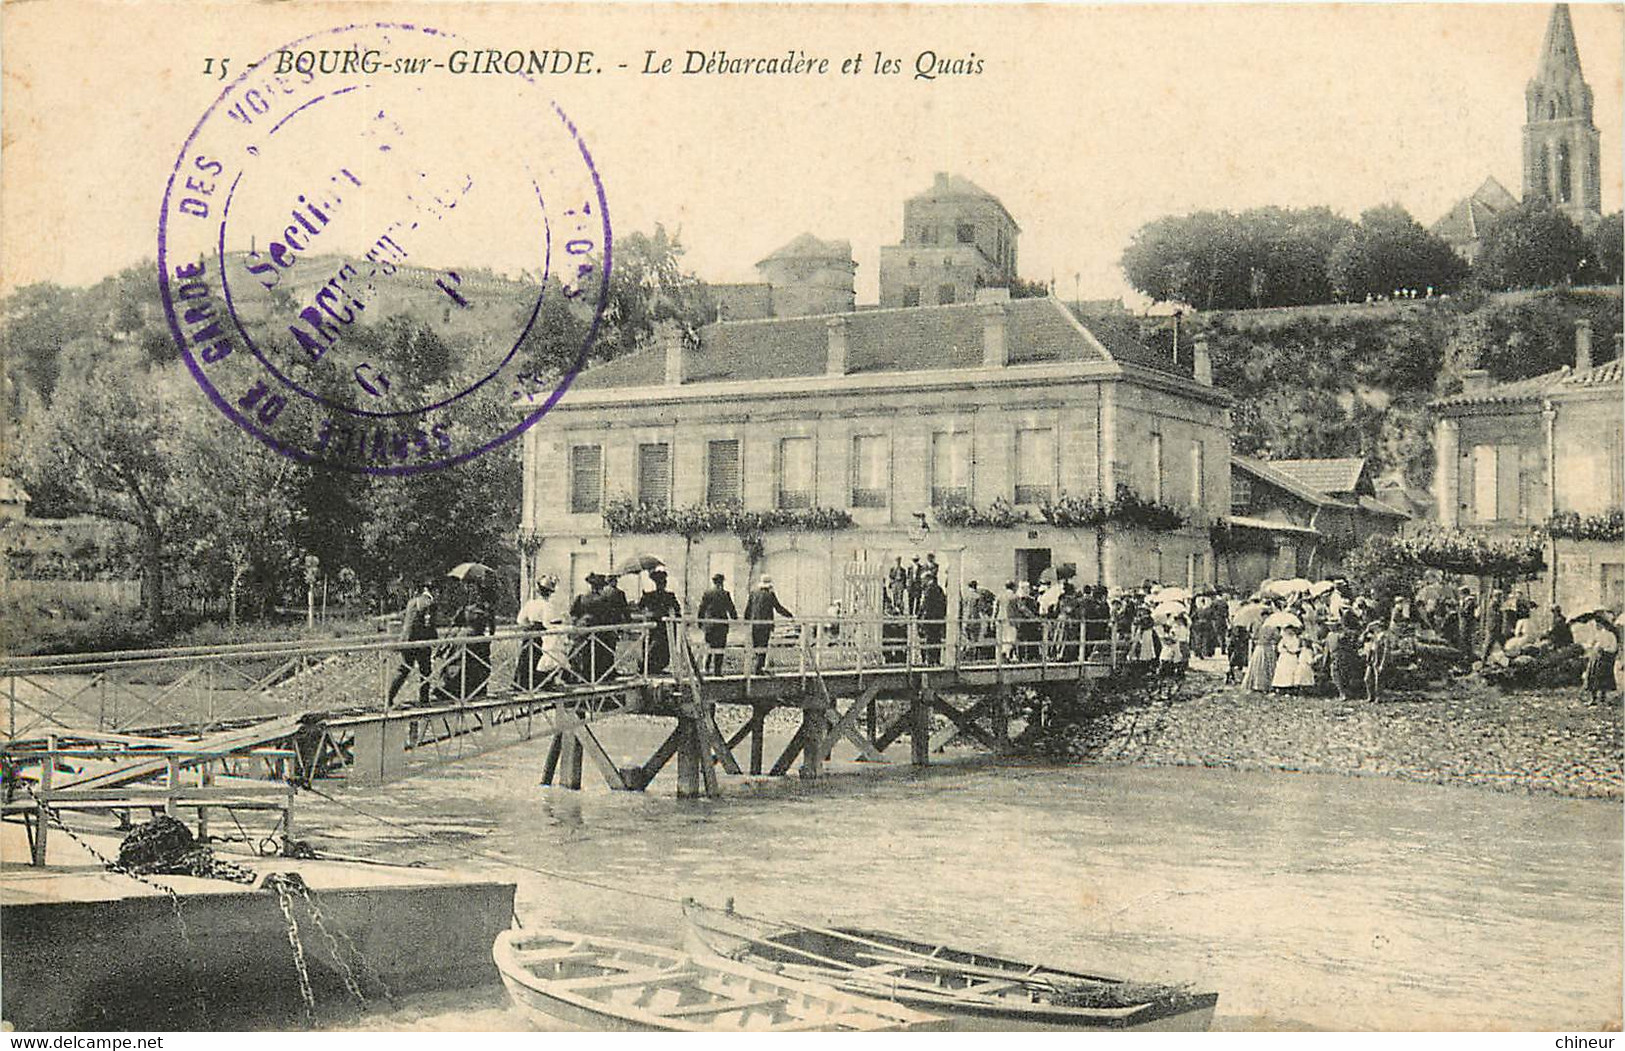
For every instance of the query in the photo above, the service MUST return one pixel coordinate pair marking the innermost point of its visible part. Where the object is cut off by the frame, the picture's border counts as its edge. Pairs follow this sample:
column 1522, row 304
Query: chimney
column 1474, row 380
column 995, row 336
column 1203, row 364
column 670, row 337
column 1582, row 344
column 835, row 364
column 940, row 184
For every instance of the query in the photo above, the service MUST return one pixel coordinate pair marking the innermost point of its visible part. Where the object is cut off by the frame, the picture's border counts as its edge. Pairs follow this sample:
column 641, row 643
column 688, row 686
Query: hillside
column 1355, row 379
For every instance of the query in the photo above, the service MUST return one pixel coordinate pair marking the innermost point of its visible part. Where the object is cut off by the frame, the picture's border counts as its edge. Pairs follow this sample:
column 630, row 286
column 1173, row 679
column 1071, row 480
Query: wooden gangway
column 338, row 710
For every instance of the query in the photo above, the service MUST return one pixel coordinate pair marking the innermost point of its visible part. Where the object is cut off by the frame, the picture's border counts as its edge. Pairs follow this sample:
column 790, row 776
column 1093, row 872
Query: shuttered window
column 1035, row 465
column 1156, row 468
column 795, row 472
column 654, row 475
column 1484, row 479
column 586, row 479
column 871, row 474
column 950, row 469
column 1198, row 468
column 722, row 472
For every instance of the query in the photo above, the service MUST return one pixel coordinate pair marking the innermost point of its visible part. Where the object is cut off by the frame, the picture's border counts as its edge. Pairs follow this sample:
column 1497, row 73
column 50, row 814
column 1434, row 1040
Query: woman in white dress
column 541, row 661
column 1294, row 662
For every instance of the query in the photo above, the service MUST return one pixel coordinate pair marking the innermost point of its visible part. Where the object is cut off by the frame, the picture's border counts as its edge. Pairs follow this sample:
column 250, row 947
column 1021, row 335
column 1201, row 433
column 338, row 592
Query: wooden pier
column 325, row 711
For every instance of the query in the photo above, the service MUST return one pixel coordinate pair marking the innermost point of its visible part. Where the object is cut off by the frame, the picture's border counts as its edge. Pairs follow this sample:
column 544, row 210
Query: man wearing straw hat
column 759, row 611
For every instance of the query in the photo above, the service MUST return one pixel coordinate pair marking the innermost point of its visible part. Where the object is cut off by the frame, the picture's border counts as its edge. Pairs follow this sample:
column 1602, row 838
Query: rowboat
column 974, row 990
column 564, row 980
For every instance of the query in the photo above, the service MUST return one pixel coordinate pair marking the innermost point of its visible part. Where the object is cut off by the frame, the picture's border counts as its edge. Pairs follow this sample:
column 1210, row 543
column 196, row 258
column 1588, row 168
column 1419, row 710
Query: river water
column 1306, row 901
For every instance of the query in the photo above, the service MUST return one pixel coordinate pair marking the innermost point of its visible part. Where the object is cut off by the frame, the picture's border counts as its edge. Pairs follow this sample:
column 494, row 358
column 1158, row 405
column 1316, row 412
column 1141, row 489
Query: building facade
column 1511, row 456
column 957, row 238
column 891, row 416
column 1300, row 518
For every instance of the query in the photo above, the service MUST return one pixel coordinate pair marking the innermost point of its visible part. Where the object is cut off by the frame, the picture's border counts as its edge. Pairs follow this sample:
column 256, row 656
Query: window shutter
column 722, row 472
column 654, row 475
column 586, row 478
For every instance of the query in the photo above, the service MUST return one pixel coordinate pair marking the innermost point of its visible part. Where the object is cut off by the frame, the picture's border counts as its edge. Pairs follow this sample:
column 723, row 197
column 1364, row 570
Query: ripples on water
column 1305, row 901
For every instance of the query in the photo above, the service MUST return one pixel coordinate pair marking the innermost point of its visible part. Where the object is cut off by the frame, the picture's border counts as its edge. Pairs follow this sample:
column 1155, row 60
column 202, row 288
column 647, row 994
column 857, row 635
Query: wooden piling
column 920, row 727
column 690, row 758
column 814, row 724
column 570, row 760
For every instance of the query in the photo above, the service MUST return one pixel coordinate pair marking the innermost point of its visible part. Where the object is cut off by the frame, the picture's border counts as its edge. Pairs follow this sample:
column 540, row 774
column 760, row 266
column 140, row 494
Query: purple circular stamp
column 375, row 268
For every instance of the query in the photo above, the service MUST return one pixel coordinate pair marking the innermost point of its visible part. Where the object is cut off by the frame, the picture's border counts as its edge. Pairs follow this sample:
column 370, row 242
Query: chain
column 345, row 970
column 284, row 899
column 199, row 1002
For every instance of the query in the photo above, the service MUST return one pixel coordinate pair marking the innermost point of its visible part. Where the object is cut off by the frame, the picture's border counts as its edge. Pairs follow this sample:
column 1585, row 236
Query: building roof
column 1244, row 522
column 1377, row 507
column 1608, row 374
column 1529, row 389
column 946, row 184
column 909, row 339
column 1267, row 472
column 1465, row 222
column 1341, row 475
column 806, row 246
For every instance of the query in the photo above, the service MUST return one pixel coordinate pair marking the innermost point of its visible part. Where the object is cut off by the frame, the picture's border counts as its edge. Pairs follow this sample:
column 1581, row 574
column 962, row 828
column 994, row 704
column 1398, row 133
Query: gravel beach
column 1459, row 732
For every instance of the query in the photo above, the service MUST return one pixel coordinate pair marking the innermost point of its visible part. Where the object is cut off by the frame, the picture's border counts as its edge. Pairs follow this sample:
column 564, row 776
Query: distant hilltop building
column 805, row 277
column 1561, row 149
column 957, row 238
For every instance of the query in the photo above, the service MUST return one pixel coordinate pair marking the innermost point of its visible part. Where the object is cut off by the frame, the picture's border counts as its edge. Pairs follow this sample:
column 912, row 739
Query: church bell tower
column 1561, row 152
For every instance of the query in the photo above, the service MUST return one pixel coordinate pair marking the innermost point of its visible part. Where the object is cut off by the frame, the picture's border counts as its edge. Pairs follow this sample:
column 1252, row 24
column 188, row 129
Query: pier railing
column 756, row 649
column 203, row 690
column 99, row 779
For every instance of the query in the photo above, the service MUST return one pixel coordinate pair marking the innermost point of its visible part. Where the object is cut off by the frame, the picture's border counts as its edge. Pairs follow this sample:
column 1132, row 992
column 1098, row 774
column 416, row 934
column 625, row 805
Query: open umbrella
column 640, row 564
column 1169, row 610
column 469, row 571
column 1320, row 587
column 1282, row 619
column 1285, row 588
column 1249, row 616
column 1170, row 594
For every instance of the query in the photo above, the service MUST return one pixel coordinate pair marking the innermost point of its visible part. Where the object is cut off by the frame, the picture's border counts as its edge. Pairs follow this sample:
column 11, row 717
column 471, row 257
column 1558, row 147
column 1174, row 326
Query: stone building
column 1299, row 518
column 957, row 238
column 1561, row 149
column 806, row 276
column 890, row 415
column 1512, row 455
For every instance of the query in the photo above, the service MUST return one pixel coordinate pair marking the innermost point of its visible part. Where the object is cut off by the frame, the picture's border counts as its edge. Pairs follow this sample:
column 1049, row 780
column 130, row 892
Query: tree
column 647, row 285
column 111, row 447
column 1608, row 249
column 1531, row 246
column 1390, row 252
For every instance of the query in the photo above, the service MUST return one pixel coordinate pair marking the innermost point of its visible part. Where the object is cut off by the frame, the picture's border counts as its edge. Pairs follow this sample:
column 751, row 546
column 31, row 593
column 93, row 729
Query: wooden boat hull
column 561, row 980
column 996, row 994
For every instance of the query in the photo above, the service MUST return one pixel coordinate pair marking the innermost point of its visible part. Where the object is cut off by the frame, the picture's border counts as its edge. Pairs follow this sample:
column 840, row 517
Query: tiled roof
column 1608, row 374
column 1281, row 480
column 911, row 339
column 1528, row 389
column 1465, row 222
column 1121, row 336
column 1325, row 476
column 1377, row 507
column 947, row 185
column 806, row 246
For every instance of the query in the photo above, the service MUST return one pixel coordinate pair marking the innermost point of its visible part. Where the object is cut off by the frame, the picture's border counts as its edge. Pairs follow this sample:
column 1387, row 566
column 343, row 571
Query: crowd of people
column 1291, row 636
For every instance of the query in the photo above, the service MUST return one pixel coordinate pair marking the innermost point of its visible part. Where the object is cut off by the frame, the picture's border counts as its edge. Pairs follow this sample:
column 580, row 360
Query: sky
column 1085, row 121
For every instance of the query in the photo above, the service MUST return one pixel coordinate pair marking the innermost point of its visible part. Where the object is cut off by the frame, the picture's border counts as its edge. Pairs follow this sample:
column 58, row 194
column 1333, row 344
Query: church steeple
column 1561, row 151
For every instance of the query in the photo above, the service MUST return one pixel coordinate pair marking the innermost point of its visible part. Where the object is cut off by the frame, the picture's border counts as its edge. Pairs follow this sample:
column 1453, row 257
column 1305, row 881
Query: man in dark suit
column 759, row 611
column 417, row 626
column 933, row 618
column 716, row 609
